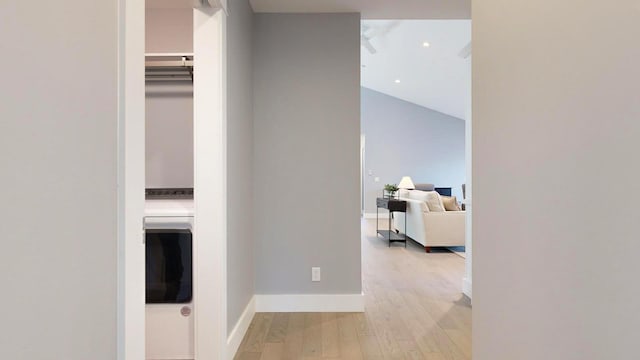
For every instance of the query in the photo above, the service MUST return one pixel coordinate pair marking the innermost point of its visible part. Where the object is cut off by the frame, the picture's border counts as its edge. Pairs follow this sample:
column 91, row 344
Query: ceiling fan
column 370, row 31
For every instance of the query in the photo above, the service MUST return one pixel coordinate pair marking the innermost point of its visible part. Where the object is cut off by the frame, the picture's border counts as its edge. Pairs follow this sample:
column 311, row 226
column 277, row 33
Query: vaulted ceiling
column 418, row 61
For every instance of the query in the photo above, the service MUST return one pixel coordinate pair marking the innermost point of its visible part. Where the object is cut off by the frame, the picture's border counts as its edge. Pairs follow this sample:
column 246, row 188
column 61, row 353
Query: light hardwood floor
column 414, row 309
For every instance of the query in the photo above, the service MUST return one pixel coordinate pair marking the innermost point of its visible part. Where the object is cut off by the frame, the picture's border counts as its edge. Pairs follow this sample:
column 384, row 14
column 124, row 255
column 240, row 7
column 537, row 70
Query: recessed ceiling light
column 397, row 81
column 426, row 44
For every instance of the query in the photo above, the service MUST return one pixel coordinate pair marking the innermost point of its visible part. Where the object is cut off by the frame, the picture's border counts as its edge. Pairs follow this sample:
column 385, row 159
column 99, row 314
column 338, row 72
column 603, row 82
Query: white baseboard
column 310, row 303
column 466, row 287
column 384, row 215
column 238, row 332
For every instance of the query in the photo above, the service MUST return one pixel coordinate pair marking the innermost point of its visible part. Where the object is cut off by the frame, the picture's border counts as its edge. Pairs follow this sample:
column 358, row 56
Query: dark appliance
column 169, row 266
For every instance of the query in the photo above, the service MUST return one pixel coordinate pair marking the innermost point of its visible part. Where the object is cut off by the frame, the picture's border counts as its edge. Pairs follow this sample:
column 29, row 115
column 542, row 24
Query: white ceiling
column 370, row 9
column 169, row 4
column 373, row 9
column 435, row 77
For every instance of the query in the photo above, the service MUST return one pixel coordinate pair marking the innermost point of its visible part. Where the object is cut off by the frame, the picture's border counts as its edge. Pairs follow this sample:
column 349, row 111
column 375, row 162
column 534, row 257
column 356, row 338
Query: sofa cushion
column 450, row 203
column 431, row 198
column 415, row 196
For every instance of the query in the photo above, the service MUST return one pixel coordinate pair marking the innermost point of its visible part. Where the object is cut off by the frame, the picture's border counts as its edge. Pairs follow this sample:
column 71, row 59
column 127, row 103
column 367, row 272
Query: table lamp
column 406, row 183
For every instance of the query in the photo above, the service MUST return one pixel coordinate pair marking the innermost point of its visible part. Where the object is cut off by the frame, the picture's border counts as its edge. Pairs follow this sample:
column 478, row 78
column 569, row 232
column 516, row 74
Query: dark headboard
column 444, row 191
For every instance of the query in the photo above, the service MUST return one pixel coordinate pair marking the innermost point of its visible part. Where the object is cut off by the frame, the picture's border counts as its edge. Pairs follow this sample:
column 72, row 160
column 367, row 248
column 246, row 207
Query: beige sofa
column 427, row 223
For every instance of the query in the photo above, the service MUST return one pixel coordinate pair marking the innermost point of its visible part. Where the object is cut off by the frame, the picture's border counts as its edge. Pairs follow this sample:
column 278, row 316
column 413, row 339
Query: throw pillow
column 431, row 198
column 450, row 203
column 435, row 202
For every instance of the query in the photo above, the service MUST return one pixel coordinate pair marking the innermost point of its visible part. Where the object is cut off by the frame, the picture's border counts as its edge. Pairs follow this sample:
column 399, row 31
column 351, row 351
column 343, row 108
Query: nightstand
column 392, row 205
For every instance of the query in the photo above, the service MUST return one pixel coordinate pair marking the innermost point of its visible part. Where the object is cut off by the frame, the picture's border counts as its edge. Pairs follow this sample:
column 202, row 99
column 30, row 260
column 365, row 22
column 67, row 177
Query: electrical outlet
column 315, row 274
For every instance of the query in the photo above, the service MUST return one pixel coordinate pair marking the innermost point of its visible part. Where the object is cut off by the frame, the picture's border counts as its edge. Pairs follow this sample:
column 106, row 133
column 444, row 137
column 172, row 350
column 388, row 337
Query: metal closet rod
column 176, row 60
column 177, row 66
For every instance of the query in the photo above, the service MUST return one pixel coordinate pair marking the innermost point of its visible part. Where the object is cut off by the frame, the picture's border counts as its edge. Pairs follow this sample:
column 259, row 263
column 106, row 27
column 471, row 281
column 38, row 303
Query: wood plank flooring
column 414, row 309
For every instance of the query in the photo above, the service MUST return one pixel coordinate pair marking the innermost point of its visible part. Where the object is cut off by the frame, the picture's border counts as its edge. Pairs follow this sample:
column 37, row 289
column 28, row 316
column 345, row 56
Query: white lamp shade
column 406, row 183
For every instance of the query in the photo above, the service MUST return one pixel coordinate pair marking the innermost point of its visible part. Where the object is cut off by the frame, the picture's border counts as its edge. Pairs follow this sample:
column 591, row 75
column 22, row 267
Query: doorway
column 416, row 86
column 209, row 262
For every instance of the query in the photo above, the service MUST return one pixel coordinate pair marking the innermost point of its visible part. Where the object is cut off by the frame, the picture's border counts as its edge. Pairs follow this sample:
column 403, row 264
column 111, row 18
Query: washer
column 169, row 244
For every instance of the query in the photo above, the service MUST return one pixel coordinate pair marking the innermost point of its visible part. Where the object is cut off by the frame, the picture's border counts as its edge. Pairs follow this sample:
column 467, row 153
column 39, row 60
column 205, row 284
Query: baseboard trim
column 238, row 332
column 384, row 215
column 310, row 303
column 466, row 287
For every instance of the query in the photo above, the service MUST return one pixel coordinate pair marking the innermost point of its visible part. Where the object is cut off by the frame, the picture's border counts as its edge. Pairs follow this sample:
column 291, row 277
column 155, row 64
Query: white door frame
column 131, row 180
column 210, row 182
column 467, row 283
column 362, row 174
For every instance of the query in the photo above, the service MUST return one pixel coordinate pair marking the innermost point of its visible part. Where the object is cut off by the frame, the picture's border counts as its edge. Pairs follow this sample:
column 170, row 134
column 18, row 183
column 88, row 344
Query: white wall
column 555, row 171
column 58, row 154
column 306, row 148
column 169, row 134
column 169, row 105
column 169, row 30
column 405, row 139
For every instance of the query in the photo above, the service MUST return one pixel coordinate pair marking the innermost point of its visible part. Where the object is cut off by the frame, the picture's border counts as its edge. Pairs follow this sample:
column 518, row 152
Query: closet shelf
column 169, row 67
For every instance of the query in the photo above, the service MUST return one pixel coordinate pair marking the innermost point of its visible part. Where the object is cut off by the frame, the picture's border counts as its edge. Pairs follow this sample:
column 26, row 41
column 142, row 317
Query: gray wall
column 555, row 170
column 169, row 134
column 307, row 130
column 58, row 149
column 404, row 139
column 240, row 259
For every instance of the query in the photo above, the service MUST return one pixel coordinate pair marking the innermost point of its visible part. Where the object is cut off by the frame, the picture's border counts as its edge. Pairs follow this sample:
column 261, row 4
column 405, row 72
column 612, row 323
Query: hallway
column 414, row 309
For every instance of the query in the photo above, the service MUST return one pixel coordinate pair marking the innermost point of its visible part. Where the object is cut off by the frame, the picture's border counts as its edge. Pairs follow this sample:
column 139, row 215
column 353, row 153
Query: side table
column 392, row 205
